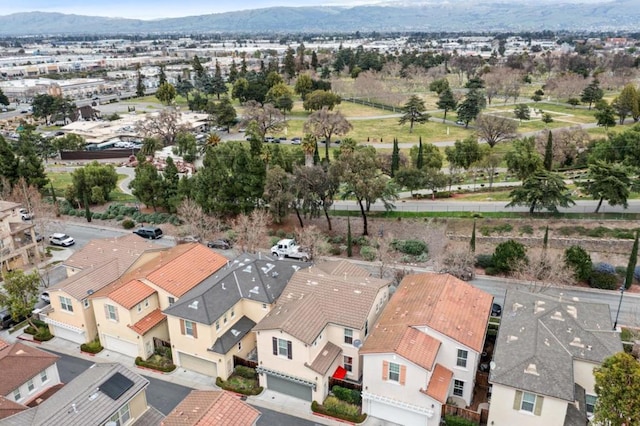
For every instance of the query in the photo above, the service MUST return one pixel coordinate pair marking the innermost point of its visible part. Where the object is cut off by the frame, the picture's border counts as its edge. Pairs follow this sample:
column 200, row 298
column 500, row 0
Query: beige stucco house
column 128, row 311
column 425, row 349
column 315, row 330
column 101, row 262
column 18, row 243
column 545, row 353
column 212, row 323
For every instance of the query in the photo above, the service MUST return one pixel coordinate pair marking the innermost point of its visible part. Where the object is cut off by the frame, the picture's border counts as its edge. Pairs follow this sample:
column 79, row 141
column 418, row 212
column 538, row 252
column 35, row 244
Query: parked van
column 149, row 232
column 6, row 321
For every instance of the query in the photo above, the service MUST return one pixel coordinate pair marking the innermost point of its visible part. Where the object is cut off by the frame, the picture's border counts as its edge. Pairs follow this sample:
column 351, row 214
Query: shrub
column 412, row 247
column 605, row 268
column 526, row 229
column 442, row 194
column 43, row 334
column 227, row 386
column 351, row 396
column 621, row 270
column 577, row 258
column 508, row 254
column 166, row 369
column 361, row 241
column 92, row 347
column 598, row 232
column 623, row 234
column 603, row 280
column 335, row 408
column 491, row 270
column 273, row 241
column 128, row 224
column 338, row 239
column 335, row 250
column 457, row 421
column 280, row 233
column 422, row 258
column 368, row 253
column 484, row 261
column 246, row 372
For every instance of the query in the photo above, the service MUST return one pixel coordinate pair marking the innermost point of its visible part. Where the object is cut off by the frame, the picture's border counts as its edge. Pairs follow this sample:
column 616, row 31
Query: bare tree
column 459, row 262
column 384, row 253
column 542, row 269
column 251, row 229
column 197, row 222
column 494, row 129
column 265, row 118
column 313, row 240
column 326, row 124
column 166, row 126
column 567, row 143
column 566, row 86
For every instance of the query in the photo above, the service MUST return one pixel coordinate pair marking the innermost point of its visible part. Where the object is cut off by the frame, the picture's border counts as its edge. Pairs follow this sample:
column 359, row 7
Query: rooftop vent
column 531, row 369
column 546, row 342
column 268, row 267
column 539, row 307
column 557, row 315
column 577, row 343
column 247, row 269
column 511, row 338
column 254, row 290
column 194, row 304
column 572, row 311
column 235, row 332
column 516, row 306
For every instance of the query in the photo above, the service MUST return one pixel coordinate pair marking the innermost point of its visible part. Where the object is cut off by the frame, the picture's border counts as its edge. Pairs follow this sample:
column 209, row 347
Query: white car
column 45, row 297
column 25, row 214
column 61, row 240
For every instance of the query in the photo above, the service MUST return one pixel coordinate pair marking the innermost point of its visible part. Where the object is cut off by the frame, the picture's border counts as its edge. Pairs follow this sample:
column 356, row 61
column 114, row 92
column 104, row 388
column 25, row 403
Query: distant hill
column 451, row 16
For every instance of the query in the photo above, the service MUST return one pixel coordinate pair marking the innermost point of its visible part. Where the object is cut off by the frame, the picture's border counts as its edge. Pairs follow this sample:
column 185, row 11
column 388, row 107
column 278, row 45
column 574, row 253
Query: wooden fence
column 472, row 416
column 244, row 362
column 344, row 383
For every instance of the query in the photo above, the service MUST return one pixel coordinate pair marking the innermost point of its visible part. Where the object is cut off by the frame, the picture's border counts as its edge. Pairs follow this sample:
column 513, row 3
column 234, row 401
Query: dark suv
column 149, row 232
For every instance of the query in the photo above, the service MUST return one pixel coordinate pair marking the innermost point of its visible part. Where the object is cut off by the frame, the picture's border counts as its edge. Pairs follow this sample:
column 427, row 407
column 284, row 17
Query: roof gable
column 90, row 280
column 19, row 363
column 212, row 408
column 130, row 294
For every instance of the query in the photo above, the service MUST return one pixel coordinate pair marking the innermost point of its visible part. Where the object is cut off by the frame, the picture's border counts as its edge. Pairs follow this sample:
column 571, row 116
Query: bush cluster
column 605, row 268
column 457, row 421
column 227, row 386
column 368, row 253
column 166, row 369
column 603, row 280
column 246, row 372
column 92, row 347
column 411, row 247
column 498, row 229
column 507, row 255
column 351, row 396
column 484, row 261
column 128, row 224
column 577, row 258
column 335, row 408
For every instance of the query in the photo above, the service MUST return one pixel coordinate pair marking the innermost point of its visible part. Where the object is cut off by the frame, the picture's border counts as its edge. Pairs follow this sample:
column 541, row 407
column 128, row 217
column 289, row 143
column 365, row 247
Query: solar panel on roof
column 115, row 386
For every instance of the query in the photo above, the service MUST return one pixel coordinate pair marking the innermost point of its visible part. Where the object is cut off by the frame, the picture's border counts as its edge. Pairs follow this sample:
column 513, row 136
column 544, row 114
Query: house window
column 366, row 328
column 348, row 363
column 16, row 395
column 282, row 347
column 239, row 346
column 139, row 307
column 264, row 306
column 172, row 300
column 591, row 403
column 111, row 312
column 122, row 416
column 528, row 402
column 66, row 304
column 86, row 303
column 462, row 358
column 217, row 325
column 394, row 372
column 458, row 387
column 146, row 302
column 188, row 328
column 233, row 312
column 348, row 336
column 43, row 376
column 30, row 385
column 224, row 319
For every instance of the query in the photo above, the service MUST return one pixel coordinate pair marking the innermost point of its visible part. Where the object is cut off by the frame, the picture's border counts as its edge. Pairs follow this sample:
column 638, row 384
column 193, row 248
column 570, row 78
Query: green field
column 62, row 180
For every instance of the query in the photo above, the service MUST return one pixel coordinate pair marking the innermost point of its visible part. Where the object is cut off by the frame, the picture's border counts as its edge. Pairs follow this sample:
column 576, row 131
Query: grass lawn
column 62, row 180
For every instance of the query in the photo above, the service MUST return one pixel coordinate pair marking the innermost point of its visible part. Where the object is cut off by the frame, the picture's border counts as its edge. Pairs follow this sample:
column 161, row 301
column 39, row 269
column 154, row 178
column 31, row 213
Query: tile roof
column 342, row 267
column 90, row 280
column 246, row 277
column 19, row 363
column 228, row 340
column 192, row 265
column 126, row 249
column 438, row 387
column 149, row 321
column 212, row 408
column 540, row 337
column 325, row 358
column 438, row 301
column 92, row 405
column 418, row 347
column 9, row 407
column 312, row 299
column 151, row 417
column 130, row 294
column 3, row 344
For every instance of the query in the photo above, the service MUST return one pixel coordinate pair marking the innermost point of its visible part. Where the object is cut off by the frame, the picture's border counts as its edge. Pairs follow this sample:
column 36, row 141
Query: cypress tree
column 472, row 243
column 395, row 158
column 545, row 241
column 420, row 160
column 548, row 153
column 631, row 267
column 87, row 211
column 56, row 206
column 349, row 242
column 316, row 155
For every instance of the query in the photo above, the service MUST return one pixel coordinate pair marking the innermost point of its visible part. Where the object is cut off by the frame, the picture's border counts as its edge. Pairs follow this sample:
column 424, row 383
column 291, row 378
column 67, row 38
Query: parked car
column 460, row 122
column 27, row 235
column 25, row 214
column 188, row 239
column 221, row 243
column 496, row 310
column 149, row 232
column 282, row 138
column 45, row 297
column 337, row 141
column 269, row 139
column 7, row 321
column 59, row 239
column 296, row 140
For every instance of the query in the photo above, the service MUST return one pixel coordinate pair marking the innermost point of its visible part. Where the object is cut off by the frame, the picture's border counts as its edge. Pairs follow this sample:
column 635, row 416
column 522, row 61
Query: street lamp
column 615, row 323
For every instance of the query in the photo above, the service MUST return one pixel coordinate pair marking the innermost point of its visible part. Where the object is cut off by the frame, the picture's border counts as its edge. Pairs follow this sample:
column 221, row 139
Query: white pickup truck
column 289, row 248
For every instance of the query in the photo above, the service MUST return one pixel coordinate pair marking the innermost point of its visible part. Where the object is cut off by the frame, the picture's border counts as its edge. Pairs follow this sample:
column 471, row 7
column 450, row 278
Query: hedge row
column 142, row 363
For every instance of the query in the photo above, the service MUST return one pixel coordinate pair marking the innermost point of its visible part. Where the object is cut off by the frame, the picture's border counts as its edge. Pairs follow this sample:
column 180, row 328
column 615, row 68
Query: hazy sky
column 153, row 9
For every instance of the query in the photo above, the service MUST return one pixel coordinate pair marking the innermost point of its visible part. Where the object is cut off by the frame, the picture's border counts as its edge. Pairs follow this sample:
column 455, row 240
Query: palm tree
column 150, row 146
column 308, row 146
column 212, row 140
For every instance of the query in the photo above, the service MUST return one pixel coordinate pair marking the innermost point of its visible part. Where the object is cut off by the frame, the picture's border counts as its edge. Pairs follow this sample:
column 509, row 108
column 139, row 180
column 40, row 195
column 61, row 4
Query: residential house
column 27, row 374
column 18, row 244
column 545, row 353
column 212, row 408
column 212, row 323
column 106, row 392
column 128, row 311
column 425, row 349
column 316, row 328
column 101, row 262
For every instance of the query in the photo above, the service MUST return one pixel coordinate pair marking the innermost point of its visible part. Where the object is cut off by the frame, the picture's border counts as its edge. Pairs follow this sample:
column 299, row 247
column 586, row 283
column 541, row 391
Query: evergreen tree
column 8, row 162
column 592, row 93
column 170, row 183
column 233, row 71
column 162, row 77
column 446, row 101
column 316, row 155
column 420, row 160
column 545, row 240
column 140, row 83
column 198, row 68
column 289, row 64
column 631, row 266
column 314, row 60
column 349, row 240
column 219, row 86
column 413, row 112
column 395, row 158
column 469, row 109
column 243, row 67
column 548, row 153
column 472, row 243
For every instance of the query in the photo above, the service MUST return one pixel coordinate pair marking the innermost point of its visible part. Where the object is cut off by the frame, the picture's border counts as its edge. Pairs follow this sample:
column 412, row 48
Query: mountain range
column 395, row 16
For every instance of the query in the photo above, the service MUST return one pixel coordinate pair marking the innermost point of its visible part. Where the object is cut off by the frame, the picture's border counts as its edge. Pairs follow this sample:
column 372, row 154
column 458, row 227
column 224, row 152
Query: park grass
column 62, row 180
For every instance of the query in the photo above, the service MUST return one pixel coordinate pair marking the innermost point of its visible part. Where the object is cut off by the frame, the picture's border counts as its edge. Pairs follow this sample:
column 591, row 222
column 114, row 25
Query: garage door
column 396, row 414
column 198, row 365
column 121, row 346
column 288, row 387
column 71, row 335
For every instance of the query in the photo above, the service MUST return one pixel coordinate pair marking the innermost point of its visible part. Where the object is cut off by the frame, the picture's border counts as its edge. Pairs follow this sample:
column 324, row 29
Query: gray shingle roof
column 540, row 336
column 246, row 277
column 79, row 403
column 228, row 340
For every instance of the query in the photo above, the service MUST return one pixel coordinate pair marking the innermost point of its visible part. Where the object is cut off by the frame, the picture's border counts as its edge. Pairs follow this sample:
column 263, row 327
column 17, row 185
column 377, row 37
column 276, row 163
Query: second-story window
column 66, row 304
column 111, row 312
column 348, row 336
column 462, row 358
